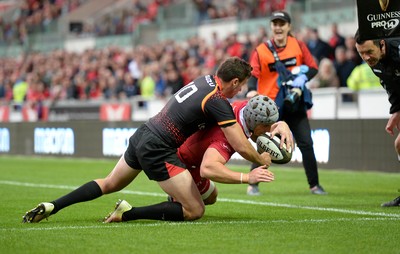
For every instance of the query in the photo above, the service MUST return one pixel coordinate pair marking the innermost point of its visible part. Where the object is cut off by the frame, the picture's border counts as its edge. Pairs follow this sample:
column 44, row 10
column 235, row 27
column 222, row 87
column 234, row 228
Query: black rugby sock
column 86, row 192
column 168, row 211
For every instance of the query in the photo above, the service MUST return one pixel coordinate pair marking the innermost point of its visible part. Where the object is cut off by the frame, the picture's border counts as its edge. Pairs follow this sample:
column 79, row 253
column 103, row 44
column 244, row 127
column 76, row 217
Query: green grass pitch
column 286, row 218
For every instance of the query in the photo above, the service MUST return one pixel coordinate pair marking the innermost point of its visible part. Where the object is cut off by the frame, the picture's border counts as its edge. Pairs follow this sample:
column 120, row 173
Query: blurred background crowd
column 157, row 70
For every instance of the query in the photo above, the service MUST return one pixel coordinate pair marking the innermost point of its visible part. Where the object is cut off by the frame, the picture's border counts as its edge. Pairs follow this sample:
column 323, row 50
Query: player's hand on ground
column 283, row 130
column 261, row 174
column 266, row 158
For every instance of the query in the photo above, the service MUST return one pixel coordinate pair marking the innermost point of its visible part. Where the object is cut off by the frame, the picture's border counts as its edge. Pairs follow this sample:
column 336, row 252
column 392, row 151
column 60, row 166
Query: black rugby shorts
column 148, row 152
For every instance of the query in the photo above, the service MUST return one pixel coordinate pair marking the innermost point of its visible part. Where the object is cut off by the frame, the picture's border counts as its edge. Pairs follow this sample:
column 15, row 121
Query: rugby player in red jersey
column 206, row 152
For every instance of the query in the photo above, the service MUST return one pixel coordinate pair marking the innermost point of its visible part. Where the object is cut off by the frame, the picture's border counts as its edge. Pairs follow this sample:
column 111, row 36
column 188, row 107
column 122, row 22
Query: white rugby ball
column 271, row 145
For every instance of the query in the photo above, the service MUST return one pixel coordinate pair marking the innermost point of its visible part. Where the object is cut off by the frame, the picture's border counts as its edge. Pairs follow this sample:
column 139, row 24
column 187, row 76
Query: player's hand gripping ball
column 271, row 145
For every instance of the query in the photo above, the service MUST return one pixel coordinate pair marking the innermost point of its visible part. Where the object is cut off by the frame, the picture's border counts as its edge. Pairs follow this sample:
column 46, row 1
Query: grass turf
column 286, row 218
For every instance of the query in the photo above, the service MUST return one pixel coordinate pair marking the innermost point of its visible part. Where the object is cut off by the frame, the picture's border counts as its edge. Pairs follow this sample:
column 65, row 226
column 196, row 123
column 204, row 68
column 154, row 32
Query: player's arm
column 213, row 167
column 393, row 123
column 236, row 138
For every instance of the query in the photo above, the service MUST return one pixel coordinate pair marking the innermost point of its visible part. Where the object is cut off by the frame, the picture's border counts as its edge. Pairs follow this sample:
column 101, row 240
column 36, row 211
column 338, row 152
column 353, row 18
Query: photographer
column 281, row 67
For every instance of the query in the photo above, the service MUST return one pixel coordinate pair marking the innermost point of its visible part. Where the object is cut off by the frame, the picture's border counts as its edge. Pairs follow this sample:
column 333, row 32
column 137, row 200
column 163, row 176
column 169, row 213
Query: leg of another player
column 118, row 179
column 188, row 203
column 252, row 189
column 396, row 201
column 184, row 190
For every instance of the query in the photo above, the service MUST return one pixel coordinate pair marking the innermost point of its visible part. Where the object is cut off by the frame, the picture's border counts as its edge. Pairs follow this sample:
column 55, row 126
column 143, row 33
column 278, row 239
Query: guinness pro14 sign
column 378, row 19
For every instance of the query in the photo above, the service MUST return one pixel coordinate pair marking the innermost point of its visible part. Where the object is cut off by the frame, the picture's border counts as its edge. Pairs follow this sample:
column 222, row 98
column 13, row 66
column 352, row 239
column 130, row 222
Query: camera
column 293, row 96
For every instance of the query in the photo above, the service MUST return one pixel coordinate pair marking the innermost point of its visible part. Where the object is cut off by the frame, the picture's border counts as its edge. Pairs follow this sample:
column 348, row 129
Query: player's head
column 260, row 110
column 233, row 73
column 371, row 51
column 234, row 67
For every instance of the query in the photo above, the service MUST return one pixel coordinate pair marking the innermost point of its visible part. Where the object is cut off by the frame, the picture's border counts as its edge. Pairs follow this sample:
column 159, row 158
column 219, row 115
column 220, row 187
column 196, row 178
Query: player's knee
column 210, row 200
column 194, row 213
column 107, row 186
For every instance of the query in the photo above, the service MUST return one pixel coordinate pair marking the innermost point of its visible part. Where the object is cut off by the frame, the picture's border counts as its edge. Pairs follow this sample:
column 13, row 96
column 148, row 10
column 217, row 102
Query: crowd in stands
column 126, row 19
column 340, row 65
column 33, row 16
column 241, row 9
column 115, row 73
column 159, row 70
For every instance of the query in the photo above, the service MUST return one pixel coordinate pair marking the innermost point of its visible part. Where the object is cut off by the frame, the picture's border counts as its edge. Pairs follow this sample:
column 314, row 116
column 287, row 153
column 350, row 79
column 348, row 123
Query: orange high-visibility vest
column 268, row 79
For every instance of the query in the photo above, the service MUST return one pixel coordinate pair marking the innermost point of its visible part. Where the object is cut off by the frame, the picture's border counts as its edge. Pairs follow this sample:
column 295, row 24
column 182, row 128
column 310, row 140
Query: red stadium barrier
column 115, row 112
column 4, row 113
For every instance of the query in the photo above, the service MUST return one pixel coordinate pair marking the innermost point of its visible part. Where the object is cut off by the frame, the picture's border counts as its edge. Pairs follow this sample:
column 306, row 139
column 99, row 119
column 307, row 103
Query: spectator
column 318, row 48
column 174, row 81
column 20, row 89
column 363, row 78
column 326, row 76
column 6, row 92
column 202, row 7
column 134, row 70
column 111, row 91
column 152, row 9
column 343, row 68
column 35, row 97
column 336, row 39
column 262, row 35
column 130, row 87
column 147, row 83
column 352, row 51
column 235, row 48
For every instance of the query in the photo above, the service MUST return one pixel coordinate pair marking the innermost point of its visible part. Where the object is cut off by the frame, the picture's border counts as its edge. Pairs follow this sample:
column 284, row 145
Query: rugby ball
column 271, row 145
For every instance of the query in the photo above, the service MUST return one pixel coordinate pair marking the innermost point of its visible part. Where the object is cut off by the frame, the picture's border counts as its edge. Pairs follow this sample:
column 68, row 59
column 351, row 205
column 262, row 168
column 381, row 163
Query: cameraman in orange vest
column 281, row 68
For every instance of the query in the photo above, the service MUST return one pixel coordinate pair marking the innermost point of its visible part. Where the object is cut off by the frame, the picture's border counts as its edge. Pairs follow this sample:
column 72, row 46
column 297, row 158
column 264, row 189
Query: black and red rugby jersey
column 196, row 106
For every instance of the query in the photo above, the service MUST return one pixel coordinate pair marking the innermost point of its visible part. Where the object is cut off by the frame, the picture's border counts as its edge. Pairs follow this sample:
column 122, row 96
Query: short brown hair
column 234, row 67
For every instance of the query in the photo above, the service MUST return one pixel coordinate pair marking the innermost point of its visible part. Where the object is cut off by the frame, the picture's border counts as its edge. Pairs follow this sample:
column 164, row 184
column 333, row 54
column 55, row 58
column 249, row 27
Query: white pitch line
column 238, row 201
column 198, row 223
column 310, row 208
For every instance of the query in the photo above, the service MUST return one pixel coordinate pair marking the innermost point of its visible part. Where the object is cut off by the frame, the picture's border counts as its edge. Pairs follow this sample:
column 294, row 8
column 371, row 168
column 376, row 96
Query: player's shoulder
column 238, row 104
column 393, row 46
column 207, row 81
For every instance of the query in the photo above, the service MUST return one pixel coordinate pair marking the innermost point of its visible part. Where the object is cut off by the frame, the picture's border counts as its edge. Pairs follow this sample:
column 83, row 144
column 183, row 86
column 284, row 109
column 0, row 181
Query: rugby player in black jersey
column 201, row 104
